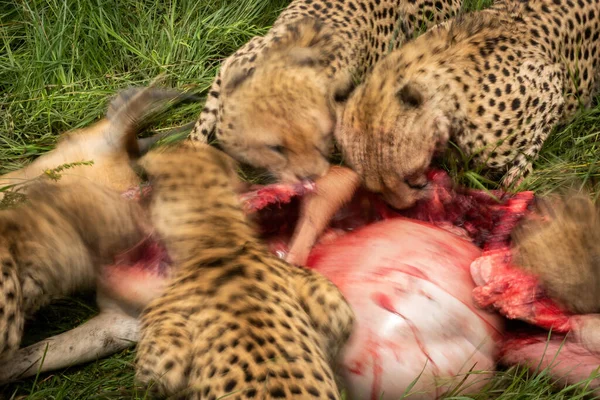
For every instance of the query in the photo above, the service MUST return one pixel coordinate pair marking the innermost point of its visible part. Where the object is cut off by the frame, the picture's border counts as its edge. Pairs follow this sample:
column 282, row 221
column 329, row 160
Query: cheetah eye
column 416, row 185
column 278, row 149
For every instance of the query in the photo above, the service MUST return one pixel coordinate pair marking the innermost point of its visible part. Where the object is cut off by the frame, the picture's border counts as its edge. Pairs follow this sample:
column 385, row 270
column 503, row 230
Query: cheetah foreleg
column 207, row 121
column 101, row 336
column 166, row 336
column 545, row 83
column 328, row 310
column 522, row 165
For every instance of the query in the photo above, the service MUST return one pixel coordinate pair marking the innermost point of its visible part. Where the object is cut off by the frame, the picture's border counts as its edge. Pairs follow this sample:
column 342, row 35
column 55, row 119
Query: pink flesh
column 514, row 293
column 138, row 276
column 567, row 360
column 261, row 196
column 411, row 283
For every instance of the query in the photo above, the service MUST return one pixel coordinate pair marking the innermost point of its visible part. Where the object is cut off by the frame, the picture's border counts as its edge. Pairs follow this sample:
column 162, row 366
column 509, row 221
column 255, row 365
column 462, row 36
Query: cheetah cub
column 37, row 264
column 563, row 249
column 235, row 320
column 274, row 102
column 495, row 82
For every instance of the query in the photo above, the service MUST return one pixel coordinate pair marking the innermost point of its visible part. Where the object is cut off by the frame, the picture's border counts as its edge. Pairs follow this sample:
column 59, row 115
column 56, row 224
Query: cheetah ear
column 410, row 95
column 235, row 76
column 305, row 57
column 307, row 41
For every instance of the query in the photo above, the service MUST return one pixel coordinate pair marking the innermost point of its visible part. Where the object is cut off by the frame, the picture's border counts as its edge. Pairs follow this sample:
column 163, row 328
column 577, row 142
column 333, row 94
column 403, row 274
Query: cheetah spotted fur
column 274, row 102
column 495, row 82
column 236, row 321
column 53, row 246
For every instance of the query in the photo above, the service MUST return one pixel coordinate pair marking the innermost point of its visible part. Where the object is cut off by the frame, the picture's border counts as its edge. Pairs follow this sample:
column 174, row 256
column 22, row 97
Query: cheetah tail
column 11, row 306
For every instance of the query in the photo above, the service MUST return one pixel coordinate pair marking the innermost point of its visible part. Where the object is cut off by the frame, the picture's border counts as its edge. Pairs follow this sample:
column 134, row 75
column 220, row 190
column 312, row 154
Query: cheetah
column 274, row 103
column 494, row 82
column 563, row 249
column 53, row 245
column 235, row 319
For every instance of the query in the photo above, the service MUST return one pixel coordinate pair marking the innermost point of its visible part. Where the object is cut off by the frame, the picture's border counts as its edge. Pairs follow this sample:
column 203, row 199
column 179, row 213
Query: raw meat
column 415, row 288
column 514, row 293
column 487, row 219
column 410, row 287
column 567, row 346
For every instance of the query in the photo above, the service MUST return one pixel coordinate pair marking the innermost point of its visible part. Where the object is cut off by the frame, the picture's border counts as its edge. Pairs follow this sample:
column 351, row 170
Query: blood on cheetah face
column 389, row 133
column 280, row 114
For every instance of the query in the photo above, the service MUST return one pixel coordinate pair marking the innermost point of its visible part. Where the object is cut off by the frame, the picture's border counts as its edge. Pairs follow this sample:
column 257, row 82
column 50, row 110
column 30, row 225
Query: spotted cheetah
column 274, row 102
column 235, row 320
column 53, row 246
column 495, row 82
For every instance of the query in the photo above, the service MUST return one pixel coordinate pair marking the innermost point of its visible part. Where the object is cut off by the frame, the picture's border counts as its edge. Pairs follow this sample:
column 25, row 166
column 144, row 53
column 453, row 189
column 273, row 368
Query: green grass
column 59, row 60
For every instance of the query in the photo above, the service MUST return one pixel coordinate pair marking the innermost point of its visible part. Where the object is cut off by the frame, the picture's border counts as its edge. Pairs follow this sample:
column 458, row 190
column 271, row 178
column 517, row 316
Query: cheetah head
column 280, row 114
column 559, row 245
column 389, row 132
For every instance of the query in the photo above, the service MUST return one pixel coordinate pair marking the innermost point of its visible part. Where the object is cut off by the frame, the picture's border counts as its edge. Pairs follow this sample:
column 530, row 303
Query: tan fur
column 332, row 192
column 87, row 144
column 110, row 143
column 235, row 320
column 563, row 249
column 53, row 246
column 495, row 82
column 274, row 103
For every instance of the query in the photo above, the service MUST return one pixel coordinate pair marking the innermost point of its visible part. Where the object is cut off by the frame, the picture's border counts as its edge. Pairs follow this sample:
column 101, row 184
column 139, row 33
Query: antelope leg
column 333, row 190
column 101, row 336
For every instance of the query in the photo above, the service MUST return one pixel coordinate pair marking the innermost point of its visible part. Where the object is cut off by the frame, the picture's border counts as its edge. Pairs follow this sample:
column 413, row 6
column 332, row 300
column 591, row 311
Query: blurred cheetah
column 54, row 246
column 62, row 239
column 563, row 249
column 235, row 320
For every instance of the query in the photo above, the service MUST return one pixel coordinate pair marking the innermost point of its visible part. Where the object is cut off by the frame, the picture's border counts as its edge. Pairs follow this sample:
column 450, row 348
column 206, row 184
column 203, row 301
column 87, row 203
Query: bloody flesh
column 487, row 219
column 471, row 233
